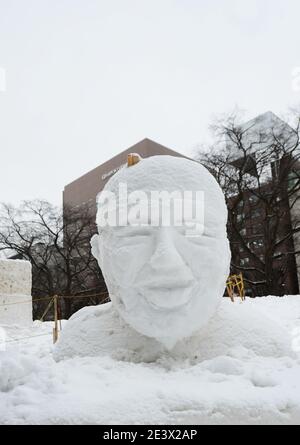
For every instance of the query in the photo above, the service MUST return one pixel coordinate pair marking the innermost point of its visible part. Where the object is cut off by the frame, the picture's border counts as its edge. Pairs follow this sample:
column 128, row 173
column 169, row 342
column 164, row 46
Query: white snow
column 233, row 326
column 245, row 370
column 163, row 282
column 15, row 287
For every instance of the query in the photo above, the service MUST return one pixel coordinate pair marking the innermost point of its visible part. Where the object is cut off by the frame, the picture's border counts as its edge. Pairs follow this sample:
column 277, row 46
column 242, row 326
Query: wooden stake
column 47, row 309
column 59, row 314
column 236, row 282
column 55, row 329
column 132, row 159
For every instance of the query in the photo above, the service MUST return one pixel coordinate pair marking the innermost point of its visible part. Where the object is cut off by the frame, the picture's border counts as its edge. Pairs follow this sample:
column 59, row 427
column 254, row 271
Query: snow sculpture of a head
column 162, row 246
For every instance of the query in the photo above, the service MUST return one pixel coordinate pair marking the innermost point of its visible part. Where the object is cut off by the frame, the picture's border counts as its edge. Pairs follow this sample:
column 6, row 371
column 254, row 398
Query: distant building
column 84, row 190
column 257, row 135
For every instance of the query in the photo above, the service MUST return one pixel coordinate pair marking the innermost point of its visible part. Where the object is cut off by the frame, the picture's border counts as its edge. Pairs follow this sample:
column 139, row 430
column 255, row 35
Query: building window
column 240, row 217
column 293, row 179
column 244, row 261
column 256, row 244
column 257, row 229
column 256, row 213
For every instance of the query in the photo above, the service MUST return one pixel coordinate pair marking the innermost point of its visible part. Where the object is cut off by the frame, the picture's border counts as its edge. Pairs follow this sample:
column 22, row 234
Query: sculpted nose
column 166, row 261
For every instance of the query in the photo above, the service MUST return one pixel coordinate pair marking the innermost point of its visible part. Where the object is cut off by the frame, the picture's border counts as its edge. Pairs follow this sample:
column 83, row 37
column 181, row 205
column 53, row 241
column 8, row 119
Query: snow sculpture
column 164, row 279
column 15, row 287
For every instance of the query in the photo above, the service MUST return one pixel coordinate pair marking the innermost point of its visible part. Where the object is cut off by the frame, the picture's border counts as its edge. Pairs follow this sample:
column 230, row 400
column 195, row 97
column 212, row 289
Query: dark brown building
column 85, row 189
column 249, row 241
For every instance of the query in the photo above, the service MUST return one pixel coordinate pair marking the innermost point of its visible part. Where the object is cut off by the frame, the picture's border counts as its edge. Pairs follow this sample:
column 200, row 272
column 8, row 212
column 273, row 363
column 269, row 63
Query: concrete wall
column 15, row 287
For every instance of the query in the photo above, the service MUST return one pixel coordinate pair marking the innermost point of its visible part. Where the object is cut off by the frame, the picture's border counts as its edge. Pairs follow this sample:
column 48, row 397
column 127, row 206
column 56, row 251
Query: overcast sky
column 86, row 79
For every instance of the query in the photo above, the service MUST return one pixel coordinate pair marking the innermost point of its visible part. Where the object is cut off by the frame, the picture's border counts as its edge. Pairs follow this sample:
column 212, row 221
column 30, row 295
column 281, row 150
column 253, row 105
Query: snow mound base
column 235, row 329
column 236, row 375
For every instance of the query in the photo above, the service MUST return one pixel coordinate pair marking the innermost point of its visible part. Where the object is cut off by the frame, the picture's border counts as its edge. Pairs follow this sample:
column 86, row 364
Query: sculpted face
column 166, row 280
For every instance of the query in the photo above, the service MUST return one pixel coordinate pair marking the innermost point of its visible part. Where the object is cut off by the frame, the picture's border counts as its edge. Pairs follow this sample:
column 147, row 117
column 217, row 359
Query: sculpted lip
column 167, row 285
column 163, row 297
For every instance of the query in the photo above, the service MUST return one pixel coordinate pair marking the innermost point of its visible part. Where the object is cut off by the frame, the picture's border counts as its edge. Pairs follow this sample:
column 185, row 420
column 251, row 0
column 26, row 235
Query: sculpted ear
column 95, row 241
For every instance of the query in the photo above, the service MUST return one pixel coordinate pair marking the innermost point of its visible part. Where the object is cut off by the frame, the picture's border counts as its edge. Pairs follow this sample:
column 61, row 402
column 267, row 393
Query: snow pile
column 160, row 279
column 98, row 331
column 245, row 376
column 15, row 287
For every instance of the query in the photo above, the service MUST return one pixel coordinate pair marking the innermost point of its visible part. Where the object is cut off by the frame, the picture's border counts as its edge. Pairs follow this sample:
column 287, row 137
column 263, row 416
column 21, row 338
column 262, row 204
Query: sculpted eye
column 181, row 230
column 133, row 235
column 194, row 236
column 138, row 232
column 195, row 239
column 190, row 233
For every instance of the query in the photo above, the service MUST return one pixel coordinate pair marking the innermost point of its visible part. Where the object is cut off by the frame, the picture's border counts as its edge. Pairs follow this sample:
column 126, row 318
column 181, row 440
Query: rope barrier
column 25, row 338
column 26, row 301
column 83, row 296
column 57, row 315
column 49, row 298
column 47, row 309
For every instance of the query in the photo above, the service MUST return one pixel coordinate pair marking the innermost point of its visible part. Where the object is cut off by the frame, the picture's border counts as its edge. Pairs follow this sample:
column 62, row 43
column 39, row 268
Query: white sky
column 86, row 79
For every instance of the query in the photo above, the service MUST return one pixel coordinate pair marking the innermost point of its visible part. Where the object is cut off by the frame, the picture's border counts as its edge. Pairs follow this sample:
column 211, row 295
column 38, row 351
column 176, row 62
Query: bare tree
column 58, row 246
column 257, row 166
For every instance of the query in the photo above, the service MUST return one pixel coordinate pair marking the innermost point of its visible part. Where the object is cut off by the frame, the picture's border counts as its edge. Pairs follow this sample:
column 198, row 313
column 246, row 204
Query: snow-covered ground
column 235, row 384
